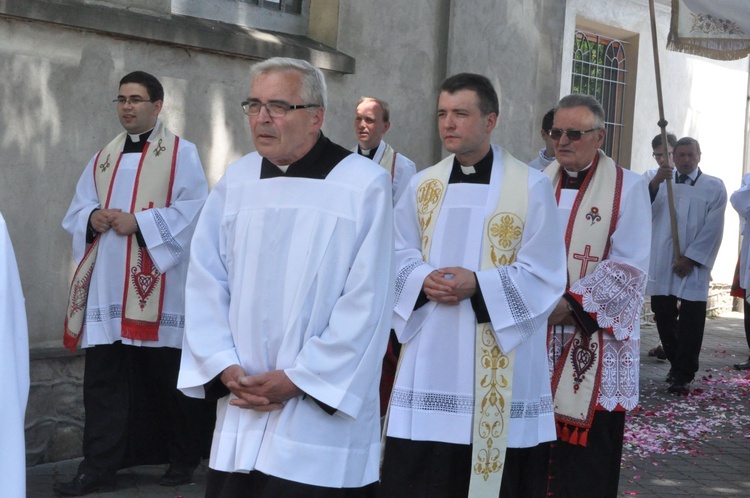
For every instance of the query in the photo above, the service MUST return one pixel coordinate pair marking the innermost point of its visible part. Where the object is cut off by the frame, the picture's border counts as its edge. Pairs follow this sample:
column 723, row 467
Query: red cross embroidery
column 585, row 259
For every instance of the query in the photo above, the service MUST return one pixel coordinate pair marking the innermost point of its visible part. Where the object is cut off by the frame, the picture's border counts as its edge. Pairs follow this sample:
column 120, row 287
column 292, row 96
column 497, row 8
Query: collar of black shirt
column 482, row 169
column 574, row 182
column 137, row 147
column 316, row 164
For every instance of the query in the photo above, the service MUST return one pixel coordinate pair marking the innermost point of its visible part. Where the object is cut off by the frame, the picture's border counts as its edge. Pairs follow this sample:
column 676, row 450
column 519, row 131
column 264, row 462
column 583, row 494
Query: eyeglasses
column 274, row 109
column 130, row 100
column 573, row 135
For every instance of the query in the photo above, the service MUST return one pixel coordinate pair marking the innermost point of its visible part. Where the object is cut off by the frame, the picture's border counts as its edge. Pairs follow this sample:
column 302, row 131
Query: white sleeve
column 519, row 297
column 167, row 231
column 84, row 201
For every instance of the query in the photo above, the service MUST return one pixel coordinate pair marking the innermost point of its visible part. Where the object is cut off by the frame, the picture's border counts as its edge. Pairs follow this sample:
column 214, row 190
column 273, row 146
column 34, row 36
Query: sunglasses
column 573, row 135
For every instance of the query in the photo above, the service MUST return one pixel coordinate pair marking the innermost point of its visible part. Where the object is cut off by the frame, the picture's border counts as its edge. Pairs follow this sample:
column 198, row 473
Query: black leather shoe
column 83, row 484
column 742, row 366
column 670, row 377
column 174, row 476
column 678, row 387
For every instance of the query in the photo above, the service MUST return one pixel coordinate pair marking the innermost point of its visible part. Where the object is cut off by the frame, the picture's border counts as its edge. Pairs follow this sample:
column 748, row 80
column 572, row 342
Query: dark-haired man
column 480, row 266
column 546, row 153
column 594, row 335
column 679, row 288
column 131, row 220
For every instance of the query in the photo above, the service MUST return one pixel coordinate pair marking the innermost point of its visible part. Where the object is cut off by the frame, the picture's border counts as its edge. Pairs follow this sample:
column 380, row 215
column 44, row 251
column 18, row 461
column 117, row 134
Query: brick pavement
column 687, row 446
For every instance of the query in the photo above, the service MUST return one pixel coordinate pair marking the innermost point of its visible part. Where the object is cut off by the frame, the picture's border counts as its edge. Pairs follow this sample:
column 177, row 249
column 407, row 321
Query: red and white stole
column 593, row 219
column 493, row 369
column 144, row 285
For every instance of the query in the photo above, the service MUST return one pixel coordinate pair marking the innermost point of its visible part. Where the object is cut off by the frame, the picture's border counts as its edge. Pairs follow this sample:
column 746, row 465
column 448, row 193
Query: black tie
column 684, row 179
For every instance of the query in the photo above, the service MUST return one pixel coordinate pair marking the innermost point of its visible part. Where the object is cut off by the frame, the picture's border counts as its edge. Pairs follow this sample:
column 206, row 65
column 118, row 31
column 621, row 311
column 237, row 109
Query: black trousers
column 428, row 469
column 591, row 471
column 681, row 333
column 258, row 485
column 134, row 413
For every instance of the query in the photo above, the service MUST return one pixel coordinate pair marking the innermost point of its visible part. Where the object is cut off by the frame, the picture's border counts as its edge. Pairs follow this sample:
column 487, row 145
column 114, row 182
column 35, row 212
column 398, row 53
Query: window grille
column 600, row 70
column 286, row 6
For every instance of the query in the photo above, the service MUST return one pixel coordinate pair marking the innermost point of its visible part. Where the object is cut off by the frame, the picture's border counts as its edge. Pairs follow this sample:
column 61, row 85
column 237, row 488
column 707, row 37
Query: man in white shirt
column 289, row 298
column 679, row 288
column 480, row 266
column 131, row 221
column 547, row 153
column 594, row 336
column 371, row 122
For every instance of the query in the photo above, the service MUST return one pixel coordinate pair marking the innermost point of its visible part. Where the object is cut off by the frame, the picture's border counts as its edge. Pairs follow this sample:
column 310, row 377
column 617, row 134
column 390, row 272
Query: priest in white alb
column 289, row 298
column 480, row 265
column 594, row 336
column 131, row 220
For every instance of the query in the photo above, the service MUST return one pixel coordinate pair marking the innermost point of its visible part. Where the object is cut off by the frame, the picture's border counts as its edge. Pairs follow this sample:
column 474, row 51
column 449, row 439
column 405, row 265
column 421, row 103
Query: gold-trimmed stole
column 144, row 285
column 388, row 161
column 493, row 375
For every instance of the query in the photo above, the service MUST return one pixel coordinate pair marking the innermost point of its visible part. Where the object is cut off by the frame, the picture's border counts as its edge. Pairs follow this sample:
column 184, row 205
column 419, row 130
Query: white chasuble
column 433, row 395
column 14, row 372
column 167, row 232
column 294, row 274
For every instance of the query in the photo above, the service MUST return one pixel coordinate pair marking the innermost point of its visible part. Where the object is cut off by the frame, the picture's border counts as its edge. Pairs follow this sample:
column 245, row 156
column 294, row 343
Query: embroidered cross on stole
column 593, row 219
column 144, row 284
column 493, row 375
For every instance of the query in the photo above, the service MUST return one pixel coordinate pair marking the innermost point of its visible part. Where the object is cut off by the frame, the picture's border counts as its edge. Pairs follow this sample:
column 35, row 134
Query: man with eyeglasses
column 131, row 220
column 290, row 292
column 679, row 288
column 594, row 334
column 480, row 266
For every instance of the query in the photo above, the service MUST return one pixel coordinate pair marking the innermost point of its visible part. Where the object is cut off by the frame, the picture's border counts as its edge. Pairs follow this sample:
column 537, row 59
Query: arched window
column 600, row 70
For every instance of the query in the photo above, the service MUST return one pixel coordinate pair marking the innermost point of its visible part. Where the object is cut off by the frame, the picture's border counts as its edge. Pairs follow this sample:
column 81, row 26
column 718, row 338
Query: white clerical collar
column 574, row 174
column 468, row 170
column 135, row 138
column 364, row 152
column 282, row 168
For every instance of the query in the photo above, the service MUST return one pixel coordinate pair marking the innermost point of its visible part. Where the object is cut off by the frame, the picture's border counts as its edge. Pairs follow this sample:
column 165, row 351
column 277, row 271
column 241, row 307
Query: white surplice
column 740, row 200
column 14, row 372
column 167, row 232
column 295, row 274
column 629, row 246
column 700, row 226
column 402, row 170
column 433, row 395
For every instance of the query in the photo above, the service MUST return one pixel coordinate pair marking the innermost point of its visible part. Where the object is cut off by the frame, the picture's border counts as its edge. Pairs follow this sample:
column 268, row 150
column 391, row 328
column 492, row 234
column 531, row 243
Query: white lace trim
column 620, row 364
column 614, row 291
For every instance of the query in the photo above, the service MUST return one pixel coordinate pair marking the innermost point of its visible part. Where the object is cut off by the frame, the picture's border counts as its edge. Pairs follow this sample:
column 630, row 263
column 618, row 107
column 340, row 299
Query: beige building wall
column 703, row 98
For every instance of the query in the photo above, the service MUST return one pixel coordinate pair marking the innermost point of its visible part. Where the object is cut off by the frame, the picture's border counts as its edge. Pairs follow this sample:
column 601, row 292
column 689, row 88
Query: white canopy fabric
column 717, row 29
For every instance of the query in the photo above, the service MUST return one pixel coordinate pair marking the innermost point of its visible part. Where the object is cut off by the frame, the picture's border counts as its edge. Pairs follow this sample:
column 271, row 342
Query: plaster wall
column 518, row 44
column 703, row 98
column 57, row 93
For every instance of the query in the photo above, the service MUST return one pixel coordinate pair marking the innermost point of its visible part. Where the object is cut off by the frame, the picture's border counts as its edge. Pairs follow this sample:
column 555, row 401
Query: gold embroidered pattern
column 428, row 198
column 492, row 407
column 504, row 232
